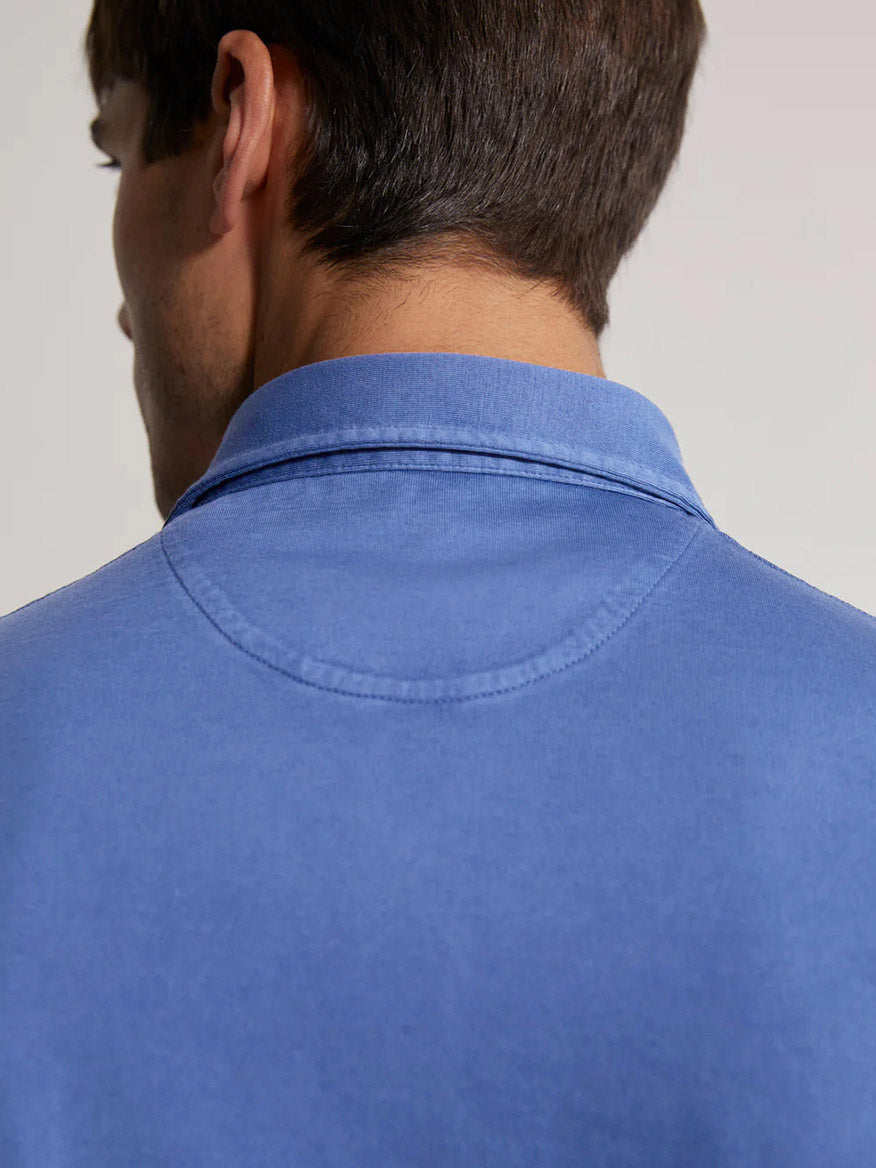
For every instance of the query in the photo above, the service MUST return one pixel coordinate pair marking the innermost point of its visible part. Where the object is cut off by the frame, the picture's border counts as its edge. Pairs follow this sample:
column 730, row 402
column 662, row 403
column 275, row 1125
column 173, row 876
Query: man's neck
column 451, row 310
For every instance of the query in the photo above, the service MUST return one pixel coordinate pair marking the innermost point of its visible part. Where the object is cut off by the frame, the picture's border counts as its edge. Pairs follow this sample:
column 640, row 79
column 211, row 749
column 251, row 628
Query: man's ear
column 244, row 68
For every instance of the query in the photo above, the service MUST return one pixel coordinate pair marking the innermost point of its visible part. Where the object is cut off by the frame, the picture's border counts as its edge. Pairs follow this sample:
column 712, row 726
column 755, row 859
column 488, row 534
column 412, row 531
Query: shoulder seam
column 72, row 583
column 797, row 579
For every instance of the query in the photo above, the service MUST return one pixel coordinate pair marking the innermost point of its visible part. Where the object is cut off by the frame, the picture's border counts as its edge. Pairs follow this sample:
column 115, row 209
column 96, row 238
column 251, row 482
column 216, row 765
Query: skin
column 218, row 298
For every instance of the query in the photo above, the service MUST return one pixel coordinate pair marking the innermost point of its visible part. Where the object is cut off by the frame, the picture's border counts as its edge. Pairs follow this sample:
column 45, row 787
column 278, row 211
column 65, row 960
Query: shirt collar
column 459, row 401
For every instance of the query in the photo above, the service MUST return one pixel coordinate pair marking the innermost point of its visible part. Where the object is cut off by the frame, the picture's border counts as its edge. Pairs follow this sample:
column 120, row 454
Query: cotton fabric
column 438, row 788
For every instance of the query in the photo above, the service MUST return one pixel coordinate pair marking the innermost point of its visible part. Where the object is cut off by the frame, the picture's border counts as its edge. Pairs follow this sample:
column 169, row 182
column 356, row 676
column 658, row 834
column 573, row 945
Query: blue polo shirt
column 438, row 788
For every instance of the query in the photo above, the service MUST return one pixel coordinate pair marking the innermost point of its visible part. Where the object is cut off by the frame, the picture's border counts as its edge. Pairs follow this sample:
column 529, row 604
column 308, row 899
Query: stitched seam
column 72, row 583
column 473, row 441
column 700, row 529
column 217, row 493
column 798, row 579
column 612, row 468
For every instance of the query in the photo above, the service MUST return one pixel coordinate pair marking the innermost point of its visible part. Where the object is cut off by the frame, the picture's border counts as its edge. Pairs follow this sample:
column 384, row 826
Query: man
column 439, row 786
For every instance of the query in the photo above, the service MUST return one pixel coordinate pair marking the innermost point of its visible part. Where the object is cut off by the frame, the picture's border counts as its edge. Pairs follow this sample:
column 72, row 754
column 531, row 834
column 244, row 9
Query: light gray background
column 745, row 310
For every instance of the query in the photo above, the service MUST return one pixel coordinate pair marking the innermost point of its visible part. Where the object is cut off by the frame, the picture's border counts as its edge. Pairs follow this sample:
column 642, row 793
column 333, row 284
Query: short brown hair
column 534, row 135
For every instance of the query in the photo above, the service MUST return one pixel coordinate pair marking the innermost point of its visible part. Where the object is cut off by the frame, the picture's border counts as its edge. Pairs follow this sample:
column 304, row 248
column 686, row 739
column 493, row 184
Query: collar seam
column 312, row 444
column 573, row 478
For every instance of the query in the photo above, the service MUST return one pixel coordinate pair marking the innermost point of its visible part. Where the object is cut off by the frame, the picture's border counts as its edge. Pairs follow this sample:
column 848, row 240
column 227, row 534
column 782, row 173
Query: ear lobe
column 220, row 220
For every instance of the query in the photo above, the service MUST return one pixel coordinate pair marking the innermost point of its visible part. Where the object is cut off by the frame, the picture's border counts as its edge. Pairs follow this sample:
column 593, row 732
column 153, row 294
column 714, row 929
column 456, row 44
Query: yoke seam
column 700, row 527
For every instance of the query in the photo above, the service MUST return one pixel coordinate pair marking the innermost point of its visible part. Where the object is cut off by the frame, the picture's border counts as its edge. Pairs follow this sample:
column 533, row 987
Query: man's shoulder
column 764, row 621
column 94, row 610
column 739, row 564
column 730, row 600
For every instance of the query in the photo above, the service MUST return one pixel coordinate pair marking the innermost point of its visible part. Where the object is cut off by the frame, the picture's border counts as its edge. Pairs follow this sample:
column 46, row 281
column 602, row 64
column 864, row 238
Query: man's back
column 439, row 787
